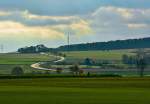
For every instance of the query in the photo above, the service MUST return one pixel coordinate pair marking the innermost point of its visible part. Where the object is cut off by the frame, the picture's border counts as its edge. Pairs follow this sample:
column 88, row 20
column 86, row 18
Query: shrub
column 17, row 71
column 59, row 70
column 75, row 69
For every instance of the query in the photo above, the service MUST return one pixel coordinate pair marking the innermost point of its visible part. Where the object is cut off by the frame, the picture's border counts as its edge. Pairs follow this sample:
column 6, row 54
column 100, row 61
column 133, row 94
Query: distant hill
column 110, row 45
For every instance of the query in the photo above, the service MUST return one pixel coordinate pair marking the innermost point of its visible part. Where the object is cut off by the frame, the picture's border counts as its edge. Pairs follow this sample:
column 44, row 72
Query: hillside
column 110, row 45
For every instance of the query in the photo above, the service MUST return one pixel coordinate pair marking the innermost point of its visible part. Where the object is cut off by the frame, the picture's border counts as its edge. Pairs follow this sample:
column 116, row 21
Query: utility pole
column 68, row 41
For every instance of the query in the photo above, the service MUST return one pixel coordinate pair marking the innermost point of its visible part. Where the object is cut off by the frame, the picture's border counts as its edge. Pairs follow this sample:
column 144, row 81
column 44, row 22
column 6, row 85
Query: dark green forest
column 110, row 45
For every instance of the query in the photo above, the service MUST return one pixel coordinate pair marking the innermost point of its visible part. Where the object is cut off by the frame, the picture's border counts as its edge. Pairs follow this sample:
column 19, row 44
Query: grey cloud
column 23, row 17
column 121, row 21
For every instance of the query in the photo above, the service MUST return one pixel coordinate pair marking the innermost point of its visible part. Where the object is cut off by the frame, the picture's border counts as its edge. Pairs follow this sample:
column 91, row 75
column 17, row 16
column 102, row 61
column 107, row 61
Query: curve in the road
column 38, row 65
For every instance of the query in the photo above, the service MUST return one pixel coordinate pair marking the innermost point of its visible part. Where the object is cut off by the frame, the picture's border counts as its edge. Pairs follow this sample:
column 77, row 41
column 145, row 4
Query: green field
column 75, row 91
column 16, row 58
column 98, row 55
column 10, row 60
column 70, row 90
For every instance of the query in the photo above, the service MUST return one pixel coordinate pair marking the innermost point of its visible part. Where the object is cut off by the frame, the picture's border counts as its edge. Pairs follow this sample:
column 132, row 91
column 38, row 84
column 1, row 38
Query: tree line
column 34, row 49
column 110, row 45
column 141, row 60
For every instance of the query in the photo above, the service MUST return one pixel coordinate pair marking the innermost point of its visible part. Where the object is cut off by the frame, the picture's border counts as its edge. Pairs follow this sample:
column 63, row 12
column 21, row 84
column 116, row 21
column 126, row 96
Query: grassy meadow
column 16, row 58
column 71, row 90
column 98, row 55
column 10, row 60
column 75, row 91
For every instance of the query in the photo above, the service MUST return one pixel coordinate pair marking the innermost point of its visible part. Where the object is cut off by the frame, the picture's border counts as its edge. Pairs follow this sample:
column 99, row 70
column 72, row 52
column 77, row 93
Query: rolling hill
column 110, row 45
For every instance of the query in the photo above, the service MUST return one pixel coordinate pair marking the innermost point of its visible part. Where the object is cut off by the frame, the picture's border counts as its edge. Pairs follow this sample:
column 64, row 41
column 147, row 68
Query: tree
column 88, row 61
column 59, row 70
column 141, row 62
column 125, row 59
column 34, row 49
column 88, row 74
column 141, row 65
column 81, row 71
column 17, row 71
column 75, row 69
column 110, row 45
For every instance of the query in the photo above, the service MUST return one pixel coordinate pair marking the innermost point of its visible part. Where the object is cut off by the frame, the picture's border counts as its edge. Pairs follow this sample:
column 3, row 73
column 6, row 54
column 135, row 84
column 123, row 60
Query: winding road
column 38, row 65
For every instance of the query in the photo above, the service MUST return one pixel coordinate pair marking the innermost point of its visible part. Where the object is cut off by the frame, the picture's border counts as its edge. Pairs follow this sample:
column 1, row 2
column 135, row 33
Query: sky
column 31, row 22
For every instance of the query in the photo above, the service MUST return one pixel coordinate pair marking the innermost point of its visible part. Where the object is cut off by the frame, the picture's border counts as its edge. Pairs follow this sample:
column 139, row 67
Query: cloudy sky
column 31, row 22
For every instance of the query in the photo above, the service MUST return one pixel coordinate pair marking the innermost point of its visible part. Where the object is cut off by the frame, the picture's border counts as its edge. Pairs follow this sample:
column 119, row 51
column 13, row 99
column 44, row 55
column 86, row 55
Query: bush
column 81, row 71
column 59, row 70
column 75, row 69
column 17, row 71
